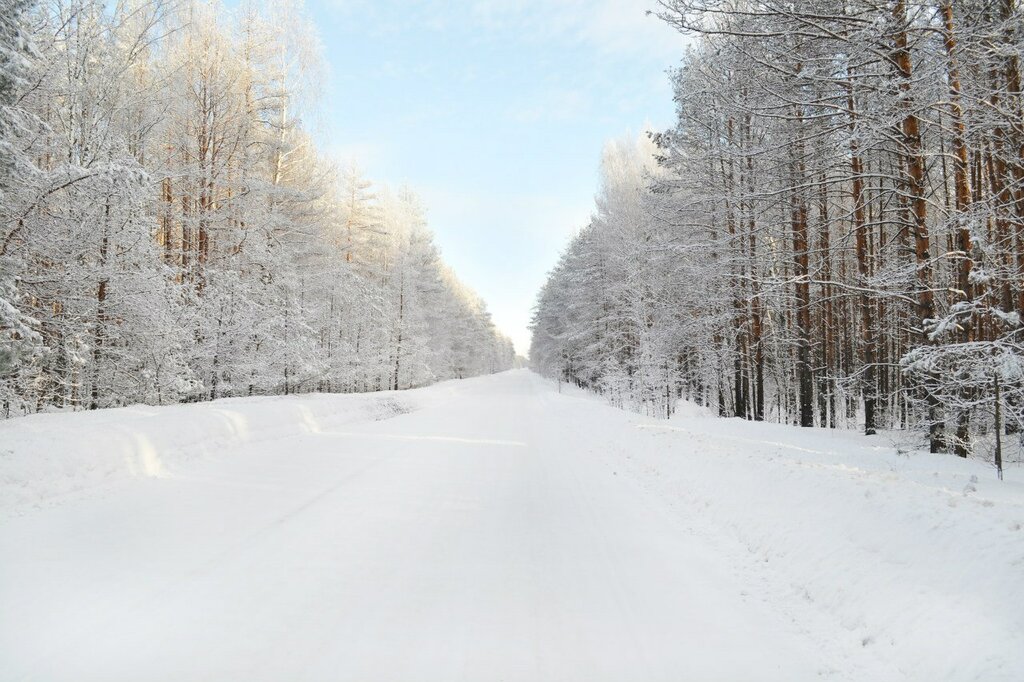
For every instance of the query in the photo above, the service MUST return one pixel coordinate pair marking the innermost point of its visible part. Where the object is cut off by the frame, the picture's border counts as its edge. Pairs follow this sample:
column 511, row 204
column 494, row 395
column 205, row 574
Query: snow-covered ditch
column 46, row 457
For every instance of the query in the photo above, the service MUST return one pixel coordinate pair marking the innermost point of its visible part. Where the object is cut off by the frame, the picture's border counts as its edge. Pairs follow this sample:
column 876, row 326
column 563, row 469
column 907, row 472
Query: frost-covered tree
column 171, row 231
column 19, row 342
column 841, row 199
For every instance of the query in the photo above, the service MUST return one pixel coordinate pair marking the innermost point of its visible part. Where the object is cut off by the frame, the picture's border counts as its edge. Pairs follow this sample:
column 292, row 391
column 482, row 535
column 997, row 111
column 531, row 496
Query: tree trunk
column 913, row 153
column 101, row 309
column 869, row 384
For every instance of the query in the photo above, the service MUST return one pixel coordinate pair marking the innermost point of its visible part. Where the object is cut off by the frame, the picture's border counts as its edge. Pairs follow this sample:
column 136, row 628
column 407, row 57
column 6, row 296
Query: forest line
column 831, row 233
column 169, row 230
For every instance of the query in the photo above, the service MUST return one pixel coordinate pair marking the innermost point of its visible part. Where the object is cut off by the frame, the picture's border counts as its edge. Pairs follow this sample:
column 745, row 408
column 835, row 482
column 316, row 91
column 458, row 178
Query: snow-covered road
column 495, row 530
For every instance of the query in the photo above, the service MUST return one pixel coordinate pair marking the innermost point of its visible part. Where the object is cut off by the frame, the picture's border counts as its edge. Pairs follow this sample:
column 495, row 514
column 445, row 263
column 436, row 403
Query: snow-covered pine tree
column 842, row 197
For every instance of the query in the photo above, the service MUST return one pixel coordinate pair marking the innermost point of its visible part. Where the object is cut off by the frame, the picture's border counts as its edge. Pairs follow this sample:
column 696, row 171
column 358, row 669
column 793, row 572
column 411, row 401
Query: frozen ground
column 493, row 529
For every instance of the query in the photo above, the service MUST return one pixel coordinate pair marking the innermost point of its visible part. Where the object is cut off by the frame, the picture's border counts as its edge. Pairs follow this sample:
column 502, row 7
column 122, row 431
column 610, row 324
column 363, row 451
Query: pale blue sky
column 495, row 113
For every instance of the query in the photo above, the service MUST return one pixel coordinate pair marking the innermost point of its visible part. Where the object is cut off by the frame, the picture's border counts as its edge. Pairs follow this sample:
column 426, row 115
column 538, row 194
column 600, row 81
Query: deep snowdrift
column 494, row 529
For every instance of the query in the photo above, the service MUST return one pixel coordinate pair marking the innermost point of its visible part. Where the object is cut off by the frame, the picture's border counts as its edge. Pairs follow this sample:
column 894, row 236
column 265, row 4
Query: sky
column 494, row 112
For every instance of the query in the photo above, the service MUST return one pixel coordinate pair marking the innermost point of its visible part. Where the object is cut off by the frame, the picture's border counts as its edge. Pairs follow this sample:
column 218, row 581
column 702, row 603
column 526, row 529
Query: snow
column 494, row 529
column 48, row 456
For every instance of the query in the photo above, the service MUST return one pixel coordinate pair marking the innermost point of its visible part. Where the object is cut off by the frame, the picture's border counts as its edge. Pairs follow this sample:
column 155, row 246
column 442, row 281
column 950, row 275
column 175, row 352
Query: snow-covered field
column 494, row 529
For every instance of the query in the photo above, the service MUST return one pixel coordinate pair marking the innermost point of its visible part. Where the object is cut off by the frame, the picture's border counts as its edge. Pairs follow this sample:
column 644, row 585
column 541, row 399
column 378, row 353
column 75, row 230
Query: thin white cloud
column 611, row 26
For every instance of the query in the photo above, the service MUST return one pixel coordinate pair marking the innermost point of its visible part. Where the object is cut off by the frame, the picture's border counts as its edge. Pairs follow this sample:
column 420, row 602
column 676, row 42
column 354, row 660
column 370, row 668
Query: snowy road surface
column 493, row 529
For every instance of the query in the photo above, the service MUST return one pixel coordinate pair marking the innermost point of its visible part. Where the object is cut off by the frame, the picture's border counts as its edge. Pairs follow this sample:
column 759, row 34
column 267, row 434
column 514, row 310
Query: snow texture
column 495, row 529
